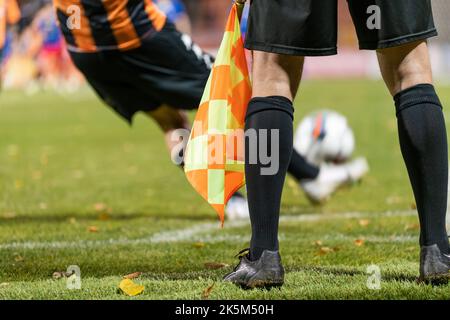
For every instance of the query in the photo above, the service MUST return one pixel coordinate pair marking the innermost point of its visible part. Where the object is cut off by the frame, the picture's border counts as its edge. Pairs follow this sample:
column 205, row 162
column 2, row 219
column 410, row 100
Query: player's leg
column 301, row 169
column 423, row 141
column 171, row 121
column 2, row 48
column 1, row 66
column 148, row 80
column 331, row 177
column 400, row 40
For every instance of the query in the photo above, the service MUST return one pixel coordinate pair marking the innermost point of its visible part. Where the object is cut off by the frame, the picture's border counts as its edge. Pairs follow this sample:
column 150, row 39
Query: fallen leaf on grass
column 207, row 292
column 99, row 207
column 359, row 242
column 104, row 216
column 215, row 265
column 199, row 245
column 130, row 288
column 364, row 222
column 93, row 229
column 58, row 275
column 325, row 250
column 9, row 215
column 61, row 274
column 72, row 220
column 133, row 275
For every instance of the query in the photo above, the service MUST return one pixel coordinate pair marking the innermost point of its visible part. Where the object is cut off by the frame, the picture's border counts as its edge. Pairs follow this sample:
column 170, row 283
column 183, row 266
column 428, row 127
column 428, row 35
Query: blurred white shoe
column 237, row 208
column 333, row 176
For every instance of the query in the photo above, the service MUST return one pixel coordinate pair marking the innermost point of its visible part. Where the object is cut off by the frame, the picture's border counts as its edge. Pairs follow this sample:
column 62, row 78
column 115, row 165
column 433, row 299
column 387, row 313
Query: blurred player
column 9, row 14
column 49, row 49
column 175, row 11
column 42, row 42
column 282, row 33
column 136, row 60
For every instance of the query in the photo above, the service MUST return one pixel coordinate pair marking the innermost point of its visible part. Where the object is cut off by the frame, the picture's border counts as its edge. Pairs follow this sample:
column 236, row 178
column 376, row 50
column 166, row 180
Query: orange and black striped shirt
column 98, row 25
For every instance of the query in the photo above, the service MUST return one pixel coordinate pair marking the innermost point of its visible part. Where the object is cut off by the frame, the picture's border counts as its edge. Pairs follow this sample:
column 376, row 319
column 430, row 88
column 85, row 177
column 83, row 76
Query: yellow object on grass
column 130, row 288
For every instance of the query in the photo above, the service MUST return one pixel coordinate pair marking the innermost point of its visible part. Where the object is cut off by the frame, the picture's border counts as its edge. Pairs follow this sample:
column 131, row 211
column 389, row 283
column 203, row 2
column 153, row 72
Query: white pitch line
column 201, row 232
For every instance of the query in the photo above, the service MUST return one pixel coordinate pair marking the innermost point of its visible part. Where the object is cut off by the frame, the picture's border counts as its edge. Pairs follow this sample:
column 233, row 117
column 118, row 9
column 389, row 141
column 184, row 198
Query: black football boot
column 434, row 265
column 265, row 272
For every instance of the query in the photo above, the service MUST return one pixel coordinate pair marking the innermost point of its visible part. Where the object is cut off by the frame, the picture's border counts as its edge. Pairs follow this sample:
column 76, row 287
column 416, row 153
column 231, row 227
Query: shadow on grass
column 65, row 217
column 29, row 272
column 336, row 271
column 399, row 277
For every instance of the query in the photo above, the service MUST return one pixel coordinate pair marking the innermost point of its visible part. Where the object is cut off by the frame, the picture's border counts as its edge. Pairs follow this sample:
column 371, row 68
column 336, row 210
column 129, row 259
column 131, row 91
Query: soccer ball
column 324, row 136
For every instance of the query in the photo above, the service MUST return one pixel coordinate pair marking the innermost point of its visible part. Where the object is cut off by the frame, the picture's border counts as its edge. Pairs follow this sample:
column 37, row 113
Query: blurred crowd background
column 34, row 56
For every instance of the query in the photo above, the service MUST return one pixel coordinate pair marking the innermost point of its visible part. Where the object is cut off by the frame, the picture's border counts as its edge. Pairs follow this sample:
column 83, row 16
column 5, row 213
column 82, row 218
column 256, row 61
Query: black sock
column 300, row 169
column 423, row 141
column 264, row 191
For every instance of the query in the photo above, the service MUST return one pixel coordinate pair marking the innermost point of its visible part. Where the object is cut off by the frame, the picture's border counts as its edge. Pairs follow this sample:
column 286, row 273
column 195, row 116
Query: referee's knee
column 276, row 74
column 405, row 66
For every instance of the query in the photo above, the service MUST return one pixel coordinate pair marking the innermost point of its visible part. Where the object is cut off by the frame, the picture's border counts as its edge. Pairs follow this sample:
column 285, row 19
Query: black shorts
column 168, row 69
column 309, row 27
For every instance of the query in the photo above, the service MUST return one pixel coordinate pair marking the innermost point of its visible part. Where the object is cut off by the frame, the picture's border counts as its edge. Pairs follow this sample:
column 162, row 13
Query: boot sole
column 264, row 284
column 436, row 280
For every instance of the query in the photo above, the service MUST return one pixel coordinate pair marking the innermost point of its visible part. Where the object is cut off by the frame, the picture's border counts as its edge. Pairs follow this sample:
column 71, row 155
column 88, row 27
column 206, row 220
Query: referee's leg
column 276, row 74
column 407, row 72
column 276, row 79
column 269, row 124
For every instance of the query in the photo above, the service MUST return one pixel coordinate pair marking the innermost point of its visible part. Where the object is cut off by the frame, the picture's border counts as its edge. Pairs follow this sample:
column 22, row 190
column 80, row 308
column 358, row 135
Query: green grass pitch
column 79, row 187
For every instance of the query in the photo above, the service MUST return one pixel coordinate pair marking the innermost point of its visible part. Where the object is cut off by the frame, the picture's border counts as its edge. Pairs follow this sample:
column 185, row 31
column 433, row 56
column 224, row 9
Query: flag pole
column 240, row 8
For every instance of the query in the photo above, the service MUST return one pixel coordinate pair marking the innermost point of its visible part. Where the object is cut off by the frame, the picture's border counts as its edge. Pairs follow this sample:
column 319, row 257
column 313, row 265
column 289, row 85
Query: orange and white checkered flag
column 214, row 158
